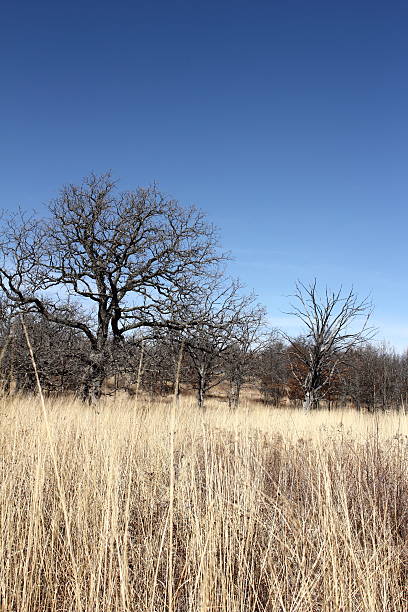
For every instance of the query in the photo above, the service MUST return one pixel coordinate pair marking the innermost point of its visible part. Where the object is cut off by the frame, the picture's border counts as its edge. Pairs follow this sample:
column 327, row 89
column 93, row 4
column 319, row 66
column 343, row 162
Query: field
column 151, row 507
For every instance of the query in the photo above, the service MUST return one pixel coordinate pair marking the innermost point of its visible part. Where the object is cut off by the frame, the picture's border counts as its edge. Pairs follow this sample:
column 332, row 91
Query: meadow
column 149, row 506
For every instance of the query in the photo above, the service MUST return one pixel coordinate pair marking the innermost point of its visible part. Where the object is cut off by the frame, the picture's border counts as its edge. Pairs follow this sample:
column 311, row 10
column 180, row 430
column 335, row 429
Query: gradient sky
column 287, row 122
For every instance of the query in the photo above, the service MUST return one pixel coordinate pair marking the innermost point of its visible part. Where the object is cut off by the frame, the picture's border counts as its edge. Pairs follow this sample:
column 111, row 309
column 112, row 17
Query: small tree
column 239, row 360
column 225, row 320
column 335, row 323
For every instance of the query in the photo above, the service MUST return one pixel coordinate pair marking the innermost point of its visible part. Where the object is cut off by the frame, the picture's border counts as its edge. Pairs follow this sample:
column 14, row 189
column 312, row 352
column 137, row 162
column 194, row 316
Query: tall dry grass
column 271, row 509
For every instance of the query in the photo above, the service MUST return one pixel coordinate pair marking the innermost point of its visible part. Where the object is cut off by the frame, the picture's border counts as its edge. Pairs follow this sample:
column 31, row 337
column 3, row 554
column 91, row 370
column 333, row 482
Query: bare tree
column 127, row 257
column 335, row 323
column 272, row 369
column 239, row 359
column 157, row 372
column 222, row 314
column 375, row 378
column 60, row 353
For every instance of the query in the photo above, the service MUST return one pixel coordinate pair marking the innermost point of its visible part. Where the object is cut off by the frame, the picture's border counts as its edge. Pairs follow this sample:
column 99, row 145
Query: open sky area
column 286, row 121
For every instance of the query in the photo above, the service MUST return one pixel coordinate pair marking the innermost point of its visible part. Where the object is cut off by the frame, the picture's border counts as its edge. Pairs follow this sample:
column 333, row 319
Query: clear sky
column 286, row 121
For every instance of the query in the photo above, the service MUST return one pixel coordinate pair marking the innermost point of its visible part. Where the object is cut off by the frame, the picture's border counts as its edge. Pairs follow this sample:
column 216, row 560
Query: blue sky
column 287, row 122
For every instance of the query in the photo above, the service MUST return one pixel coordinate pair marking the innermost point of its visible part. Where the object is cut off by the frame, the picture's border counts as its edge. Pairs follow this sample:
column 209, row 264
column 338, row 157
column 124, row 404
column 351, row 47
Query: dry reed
column 270, row 510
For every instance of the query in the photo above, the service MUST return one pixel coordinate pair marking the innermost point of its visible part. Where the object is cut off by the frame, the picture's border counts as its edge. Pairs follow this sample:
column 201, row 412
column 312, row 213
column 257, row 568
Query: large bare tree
column 335, row 323
column 128, row 258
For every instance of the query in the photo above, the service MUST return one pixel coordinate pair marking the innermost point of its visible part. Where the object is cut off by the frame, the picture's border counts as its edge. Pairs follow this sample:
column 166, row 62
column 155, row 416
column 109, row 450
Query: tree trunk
column 201, row 388
column 200, row 396
column 310, row 402
column 233, row 397
column 94, row 378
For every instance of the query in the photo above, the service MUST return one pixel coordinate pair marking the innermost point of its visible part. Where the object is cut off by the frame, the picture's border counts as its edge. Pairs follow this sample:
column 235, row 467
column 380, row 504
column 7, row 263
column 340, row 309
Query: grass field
column 258, row 510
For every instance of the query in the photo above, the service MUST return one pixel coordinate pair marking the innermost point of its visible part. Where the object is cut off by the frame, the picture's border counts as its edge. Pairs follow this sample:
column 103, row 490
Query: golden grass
column 272, row 509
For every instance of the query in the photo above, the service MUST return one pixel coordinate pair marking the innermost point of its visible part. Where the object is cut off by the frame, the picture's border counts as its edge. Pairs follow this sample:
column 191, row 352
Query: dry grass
column 272, row 509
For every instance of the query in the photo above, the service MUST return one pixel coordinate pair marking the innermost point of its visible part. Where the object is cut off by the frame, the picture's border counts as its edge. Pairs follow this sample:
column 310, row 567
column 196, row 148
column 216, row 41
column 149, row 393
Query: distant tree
column 335, row 323
column 272, row 366
column 239, row 359
column 126, row 257
column 159, row 363
column 227, row 321
column 60, row 352
column 375, row 378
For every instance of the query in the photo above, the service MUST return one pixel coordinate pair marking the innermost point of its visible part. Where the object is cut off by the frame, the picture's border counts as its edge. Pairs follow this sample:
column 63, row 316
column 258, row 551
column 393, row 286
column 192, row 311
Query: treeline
column 114, row 289
column 370, row 377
